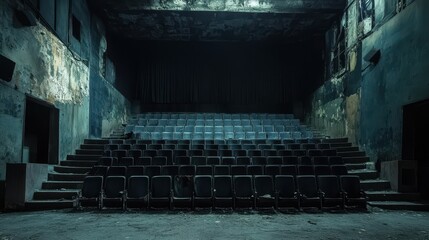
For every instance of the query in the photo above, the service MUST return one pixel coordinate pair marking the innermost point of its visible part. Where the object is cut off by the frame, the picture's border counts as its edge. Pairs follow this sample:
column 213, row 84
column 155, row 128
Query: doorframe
column 54, row 133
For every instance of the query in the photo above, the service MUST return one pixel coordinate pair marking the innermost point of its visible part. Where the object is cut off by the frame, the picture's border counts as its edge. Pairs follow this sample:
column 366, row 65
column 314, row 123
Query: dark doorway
column 415, row 141
column 41, row 134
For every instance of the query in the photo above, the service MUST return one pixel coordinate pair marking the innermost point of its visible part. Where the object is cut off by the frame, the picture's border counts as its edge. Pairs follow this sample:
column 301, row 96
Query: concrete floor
column 104, row 225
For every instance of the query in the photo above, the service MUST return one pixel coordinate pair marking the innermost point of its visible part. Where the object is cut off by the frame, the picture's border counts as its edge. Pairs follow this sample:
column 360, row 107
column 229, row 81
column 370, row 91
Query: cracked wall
column 366, row 103
column 67, row 77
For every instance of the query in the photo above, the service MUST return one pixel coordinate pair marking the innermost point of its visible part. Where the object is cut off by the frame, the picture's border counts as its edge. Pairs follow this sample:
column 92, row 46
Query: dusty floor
column 376, row 224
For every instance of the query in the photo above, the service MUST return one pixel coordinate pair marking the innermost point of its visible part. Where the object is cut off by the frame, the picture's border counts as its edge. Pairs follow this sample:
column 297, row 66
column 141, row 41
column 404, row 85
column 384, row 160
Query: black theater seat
column 114, row 192
column 203, row 188
column 309, row 194
column 243, row 191
column 264, row 191
column 330, row 191
column 223, row 192
column 354, row 195
column 204, row 170
column 183, row 192
column 160, row 194
column 238, row 170
column 90, row 195
column 286, row 194
column 137, row 195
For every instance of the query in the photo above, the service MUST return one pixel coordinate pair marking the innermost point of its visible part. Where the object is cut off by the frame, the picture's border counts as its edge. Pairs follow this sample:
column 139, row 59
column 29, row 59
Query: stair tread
column 375, row 181
column 390, row 193
column 58, row 190
column 400, row 203
column 362, row 171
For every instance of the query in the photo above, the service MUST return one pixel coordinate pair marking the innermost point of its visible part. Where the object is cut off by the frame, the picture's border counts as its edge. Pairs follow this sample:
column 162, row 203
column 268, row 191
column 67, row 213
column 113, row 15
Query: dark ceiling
column 218, row 20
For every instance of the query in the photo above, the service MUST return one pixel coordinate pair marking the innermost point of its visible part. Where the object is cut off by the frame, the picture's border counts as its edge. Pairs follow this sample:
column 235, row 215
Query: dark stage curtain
column 221, row 75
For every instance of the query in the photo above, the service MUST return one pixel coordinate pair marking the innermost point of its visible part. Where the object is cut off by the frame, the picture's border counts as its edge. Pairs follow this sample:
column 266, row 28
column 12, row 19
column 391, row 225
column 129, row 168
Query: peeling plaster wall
column 400, row 78
column 45, row 69
column 108, row 107
column 69, row 79
column 366, row 103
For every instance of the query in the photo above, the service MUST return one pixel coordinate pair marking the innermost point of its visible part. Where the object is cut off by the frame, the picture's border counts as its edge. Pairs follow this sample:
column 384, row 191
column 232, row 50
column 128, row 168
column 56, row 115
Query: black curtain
column 223, row 77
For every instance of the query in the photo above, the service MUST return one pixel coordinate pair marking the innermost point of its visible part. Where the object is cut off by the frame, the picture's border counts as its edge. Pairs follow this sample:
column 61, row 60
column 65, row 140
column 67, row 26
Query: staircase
column 66, row 179
column 378, row 190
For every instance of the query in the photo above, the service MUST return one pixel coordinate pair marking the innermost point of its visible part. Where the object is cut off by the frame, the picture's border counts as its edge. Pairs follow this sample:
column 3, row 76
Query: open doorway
column 41, row 132
column 415, row 144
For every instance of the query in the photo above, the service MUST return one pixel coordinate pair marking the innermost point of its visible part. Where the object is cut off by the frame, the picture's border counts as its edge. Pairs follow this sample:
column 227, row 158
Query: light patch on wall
column 352, row 60
column 67, row 78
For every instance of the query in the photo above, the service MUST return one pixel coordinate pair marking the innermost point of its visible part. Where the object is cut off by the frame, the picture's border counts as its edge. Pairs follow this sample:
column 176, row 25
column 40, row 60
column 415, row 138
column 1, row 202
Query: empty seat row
column 201, row 128
column 208, row 116
column 202, row 160
column 213, row 142
column 170, row 154
column 292, row 146
column 202, row 191
column 223, row 135
column 190, row 170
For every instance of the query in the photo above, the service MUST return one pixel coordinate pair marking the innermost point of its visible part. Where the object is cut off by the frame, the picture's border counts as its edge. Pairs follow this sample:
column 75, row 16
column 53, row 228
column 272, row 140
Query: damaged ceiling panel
column 218, row 20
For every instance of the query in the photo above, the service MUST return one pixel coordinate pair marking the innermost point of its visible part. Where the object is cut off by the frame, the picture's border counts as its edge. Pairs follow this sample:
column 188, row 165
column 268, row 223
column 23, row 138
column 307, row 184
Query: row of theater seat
column 192, row 115
column 201, row 128
column 223, row 135
column 202, row 160
column 191, row 170
column 291, row 146
column 215, row 142
column 222, row 191
column 171, row 155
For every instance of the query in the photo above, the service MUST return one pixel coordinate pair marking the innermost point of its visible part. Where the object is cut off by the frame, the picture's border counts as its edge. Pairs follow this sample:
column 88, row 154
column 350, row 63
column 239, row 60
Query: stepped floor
column 68, row 224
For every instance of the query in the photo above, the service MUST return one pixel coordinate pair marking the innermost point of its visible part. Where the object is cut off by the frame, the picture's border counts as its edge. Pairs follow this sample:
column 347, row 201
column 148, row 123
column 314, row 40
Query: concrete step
column 48, row 204
column 89, row 152
column 355, row 160
column 401, row 205
column 352, row 154
column 92, row 146
column 66, row 169
column 84, row 157
column 375, row 185
column 84, row 163
column 96, row 141
column 340, row 145
column 65, row 177
column 346, row 149
column 62, row 185
column 355, row 166
column 365, row 174
column 55, row 194
column 392, row 196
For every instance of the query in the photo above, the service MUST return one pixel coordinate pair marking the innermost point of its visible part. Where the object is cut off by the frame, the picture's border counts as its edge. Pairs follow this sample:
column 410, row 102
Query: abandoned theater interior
column 214, row 119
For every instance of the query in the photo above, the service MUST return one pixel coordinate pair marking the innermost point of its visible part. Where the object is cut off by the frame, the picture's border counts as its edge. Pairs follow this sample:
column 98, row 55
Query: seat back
column 138, row 186
column 221, row 170
column 274, row 161
column 99, row 171
column 213, row 161
column 255, row 170
column 307, row 186
column 117, row 171
column 238, row 170
column 144, row 161
column 183, row 160
column 243, row 186
column 199, row 160
column 351, row 185
column 285, row 186
column 170, row 170
column 151, row 171
column 187, row 170
column 339, row 170
column 203, row 186
column 92, row 186
column 183, row 186
column 115, row 186
column 161, row 186
column 222, row 186
column 204, row 170
column 135, row 171
column 264, row 185
column 322, row 170
column 305, row 170
column 243, row 161
column 320, row 160
column 329, row 185
column 259, row 160
column 272, row 170
column 228, row 161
